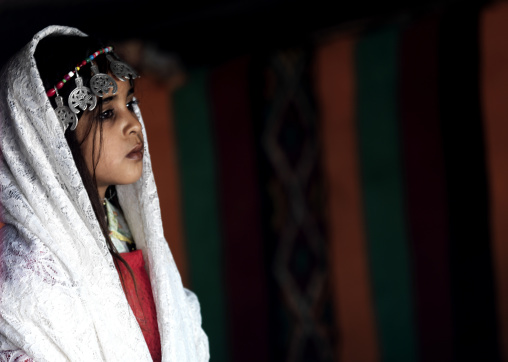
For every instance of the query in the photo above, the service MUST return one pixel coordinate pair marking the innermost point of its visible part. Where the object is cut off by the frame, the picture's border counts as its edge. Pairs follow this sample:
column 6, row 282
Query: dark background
column 203, row 32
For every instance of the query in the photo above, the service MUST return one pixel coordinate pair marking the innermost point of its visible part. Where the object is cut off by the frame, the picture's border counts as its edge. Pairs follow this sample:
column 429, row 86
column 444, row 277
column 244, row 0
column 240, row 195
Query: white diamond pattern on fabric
column 60, row 295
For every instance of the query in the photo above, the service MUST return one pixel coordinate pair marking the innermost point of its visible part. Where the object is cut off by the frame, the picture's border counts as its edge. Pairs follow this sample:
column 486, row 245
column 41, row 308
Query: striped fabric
column 200, row 204
column 425, row 188
column 244, row 272
column 347, row 251
column 383, row 193
column 494, row 88
column 470, row 263
column 410, row 187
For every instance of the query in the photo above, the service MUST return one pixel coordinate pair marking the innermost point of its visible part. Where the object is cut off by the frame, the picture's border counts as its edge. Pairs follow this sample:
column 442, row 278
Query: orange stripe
column 494, row 53
column 347, row 249
column 156, row 106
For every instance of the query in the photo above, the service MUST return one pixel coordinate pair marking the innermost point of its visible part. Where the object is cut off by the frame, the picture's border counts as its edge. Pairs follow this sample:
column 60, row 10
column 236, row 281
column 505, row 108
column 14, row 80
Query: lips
column 136, row 153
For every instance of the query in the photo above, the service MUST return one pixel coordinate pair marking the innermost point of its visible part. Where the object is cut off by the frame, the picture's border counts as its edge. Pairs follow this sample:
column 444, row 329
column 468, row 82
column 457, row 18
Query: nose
column 132, row 124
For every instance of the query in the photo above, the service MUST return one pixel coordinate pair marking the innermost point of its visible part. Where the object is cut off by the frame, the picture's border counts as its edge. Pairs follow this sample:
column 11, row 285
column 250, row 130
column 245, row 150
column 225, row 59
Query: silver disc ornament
column 65, row 115
column 101, row 83
column 121, row 70
column 81, row 97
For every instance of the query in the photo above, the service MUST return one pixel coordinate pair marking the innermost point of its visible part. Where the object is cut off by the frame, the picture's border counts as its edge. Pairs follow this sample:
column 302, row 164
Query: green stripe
column 382, row 185
column 200, row 207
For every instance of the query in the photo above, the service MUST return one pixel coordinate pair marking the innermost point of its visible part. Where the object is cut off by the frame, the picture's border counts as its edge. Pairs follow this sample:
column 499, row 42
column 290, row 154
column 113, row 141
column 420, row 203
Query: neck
column 102, row 191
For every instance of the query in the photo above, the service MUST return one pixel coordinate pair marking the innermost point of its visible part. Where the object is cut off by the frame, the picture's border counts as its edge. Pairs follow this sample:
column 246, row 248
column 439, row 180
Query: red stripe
column 240, row 212
column 494, row 88
column 347, row 252
column 426, row 188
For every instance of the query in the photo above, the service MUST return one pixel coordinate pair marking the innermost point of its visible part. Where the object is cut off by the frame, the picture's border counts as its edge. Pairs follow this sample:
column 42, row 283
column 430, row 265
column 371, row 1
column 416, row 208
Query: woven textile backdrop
column 346, row 199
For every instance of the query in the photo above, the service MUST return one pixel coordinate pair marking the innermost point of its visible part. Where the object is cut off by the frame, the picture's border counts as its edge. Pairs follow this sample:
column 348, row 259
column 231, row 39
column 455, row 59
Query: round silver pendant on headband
column 81, row 97
column 121, row 70
column 64, row 114
column 101, row 83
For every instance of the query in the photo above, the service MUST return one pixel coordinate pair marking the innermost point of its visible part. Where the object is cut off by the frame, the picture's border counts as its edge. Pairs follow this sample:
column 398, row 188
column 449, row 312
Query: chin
column 119, row 175
column 131, row 180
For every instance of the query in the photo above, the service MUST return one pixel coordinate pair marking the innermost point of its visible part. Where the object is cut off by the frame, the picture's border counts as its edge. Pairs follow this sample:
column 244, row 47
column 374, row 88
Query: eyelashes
column 132, row 103
column 107, row 114
column 110, row 113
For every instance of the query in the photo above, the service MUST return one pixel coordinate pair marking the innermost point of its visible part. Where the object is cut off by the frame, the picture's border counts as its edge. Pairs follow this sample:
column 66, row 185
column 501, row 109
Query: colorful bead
column 52, row 91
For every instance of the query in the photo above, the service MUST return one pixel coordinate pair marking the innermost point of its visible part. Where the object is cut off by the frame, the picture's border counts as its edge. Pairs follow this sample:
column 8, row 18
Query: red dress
column 142, row 304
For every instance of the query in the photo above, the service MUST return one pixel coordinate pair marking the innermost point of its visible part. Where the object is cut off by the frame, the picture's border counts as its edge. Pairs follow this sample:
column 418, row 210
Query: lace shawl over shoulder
column 60, row 295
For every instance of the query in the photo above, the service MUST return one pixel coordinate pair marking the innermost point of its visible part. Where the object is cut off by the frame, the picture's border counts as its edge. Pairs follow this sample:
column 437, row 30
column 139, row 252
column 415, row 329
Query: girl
column 85, row 271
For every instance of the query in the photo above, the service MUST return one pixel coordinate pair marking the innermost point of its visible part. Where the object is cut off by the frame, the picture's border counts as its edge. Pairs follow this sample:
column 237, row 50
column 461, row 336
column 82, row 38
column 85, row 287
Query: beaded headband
column 50, row 93
column 83, row 97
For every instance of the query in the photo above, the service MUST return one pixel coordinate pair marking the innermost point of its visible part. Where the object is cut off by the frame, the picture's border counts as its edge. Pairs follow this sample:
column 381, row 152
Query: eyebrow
column 109, row 99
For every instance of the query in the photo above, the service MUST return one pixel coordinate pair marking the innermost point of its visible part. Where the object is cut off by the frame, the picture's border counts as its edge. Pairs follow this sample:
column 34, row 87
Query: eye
column 131, row 104
column 107, row 114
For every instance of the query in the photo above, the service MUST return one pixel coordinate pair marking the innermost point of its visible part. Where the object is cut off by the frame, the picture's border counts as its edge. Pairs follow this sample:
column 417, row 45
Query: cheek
column 90, row 151
column 107, row 168
column 109, row 154
column 86, row 152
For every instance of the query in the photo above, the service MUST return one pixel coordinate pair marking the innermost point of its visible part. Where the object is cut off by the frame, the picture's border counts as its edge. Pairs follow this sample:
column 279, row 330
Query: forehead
column 124, row 89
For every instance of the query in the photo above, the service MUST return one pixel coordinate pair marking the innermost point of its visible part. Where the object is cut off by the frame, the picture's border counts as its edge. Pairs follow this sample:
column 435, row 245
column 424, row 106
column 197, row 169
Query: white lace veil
column 60, row 295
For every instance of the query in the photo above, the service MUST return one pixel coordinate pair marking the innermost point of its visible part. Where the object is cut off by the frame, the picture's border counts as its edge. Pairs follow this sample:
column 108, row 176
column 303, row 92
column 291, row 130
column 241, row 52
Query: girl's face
column 121, row 152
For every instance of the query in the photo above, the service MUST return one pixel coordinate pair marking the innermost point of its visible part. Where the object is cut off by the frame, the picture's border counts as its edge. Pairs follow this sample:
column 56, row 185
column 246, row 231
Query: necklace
column 112, row 193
